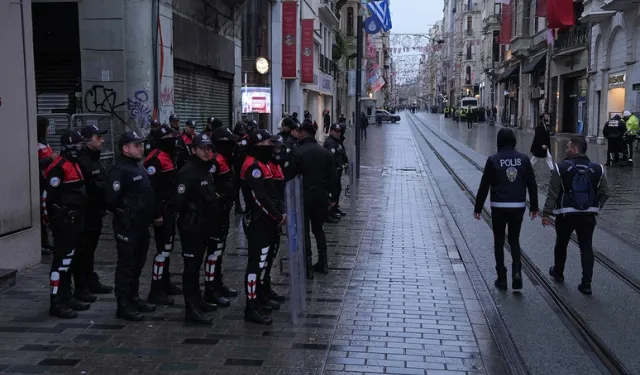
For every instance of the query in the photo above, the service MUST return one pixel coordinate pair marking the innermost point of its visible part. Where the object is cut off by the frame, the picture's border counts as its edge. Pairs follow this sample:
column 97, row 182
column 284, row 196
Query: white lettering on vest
column 204, row 183
column 137, row 178
column 510, row 162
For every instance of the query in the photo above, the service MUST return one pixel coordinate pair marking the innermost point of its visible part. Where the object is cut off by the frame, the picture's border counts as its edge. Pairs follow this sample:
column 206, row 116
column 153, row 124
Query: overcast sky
column 415, row 16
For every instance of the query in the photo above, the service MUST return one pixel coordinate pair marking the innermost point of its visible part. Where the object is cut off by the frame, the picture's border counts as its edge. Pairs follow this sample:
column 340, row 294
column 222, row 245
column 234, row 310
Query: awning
column 534, row 64
column 508, row 73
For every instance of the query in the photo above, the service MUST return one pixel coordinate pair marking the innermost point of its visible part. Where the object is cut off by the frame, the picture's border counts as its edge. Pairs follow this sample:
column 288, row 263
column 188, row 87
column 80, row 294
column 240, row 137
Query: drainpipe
column 155, row 20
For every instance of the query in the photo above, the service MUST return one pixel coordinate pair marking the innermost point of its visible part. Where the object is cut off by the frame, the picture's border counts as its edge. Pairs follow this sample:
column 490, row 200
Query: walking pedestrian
column 508, row 175
column 577, row 191
column 364, row 123
column 129, row 196
column 542, row 142
column 469, row 115
column 632, row 124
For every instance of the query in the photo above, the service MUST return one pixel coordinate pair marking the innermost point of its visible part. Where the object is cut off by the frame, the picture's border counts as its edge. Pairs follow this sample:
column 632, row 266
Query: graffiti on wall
column 102, row 99
column 166, row 96
column 139, row 109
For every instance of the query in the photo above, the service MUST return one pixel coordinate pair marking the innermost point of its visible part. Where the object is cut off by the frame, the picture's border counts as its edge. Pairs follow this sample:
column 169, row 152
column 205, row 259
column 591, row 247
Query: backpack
column 581, row 192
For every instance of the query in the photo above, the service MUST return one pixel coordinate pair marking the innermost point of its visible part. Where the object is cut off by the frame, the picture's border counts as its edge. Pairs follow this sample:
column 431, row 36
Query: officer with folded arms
column 129, row 196
column 508, row 174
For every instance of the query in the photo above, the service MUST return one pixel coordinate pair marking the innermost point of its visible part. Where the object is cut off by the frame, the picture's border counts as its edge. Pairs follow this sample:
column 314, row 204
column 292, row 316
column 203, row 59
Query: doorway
column 570, row 106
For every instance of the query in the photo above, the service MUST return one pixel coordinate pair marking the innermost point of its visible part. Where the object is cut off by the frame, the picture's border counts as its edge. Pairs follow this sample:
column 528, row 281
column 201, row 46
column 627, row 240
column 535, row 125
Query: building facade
column 20, row 202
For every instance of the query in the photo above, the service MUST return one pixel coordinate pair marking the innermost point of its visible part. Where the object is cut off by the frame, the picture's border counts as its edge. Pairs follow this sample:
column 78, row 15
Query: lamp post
column 359, row 47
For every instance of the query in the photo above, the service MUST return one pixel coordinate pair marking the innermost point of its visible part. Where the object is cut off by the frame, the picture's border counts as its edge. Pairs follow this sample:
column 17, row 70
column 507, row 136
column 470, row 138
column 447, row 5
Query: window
column 467, row 76
column 497, row 9
column 350, row 21
column 526, row 18
column 469, row 54
column 469, row 25
column 496, row 46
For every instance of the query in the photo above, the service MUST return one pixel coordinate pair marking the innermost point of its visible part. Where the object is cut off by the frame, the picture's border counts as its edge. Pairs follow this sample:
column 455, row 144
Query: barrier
column 103, row 121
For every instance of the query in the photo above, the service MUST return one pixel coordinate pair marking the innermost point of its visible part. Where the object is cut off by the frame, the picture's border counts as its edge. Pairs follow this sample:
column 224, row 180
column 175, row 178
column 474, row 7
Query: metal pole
column 492, row 120
column 359, row 47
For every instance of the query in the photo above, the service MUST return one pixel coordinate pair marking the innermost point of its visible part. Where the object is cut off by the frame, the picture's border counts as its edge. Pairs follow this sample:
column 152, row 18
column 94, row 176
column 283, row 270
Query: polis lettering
column 510, row 162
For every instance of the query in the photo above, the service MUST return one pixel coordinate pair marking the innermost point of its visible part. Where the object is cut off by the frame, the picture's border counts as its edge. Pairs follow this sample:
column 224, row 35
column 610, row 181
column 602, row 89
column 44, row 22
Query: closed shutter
column 200, row 94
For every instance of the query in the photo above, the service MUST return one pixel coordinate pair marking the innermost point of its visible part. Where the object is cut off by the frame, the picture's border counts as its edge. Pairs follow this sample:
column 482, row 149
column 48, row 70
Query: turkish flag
column 560, row 14
column 506, row 24
column 541, row 8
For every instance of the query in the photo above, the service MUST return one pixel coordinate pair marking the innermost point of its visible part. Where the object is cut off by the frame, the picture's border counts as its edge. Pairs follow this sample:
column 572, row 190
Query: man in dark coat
column 542, row 142
column 614, row 131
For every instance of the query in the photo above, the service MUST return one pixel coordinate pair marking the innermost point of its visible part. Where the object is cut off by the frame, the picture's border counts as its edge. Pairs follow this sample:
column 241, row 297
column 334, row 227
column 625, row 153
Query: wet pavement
column 621, row 214
column 398, row 299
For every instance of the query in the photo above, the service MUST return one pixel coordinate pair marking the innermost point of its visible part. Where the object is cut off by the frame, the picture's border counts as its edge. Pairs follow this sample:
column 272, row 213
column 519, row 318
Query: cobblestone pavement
column 397, row 300
column 620, row 215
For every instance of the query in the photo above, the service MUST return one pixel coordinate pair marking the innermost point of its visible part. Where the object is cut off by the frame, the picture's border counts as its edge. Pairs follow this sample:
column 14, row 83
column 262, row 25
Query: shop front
column 510, row 81
column 535, row 67
column 616, row 94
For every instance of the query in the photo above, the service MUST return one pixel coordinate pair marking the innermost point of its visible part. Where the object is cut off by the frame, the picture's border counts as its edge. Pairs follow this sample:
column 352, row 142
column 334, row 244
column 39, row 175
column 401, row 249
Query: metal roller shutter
column 199, row 94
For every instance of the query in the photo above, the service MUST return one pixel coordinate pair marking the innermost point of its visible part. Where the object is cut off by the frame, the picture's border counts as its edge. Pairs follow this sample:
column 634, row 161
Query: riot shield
column 295, row 234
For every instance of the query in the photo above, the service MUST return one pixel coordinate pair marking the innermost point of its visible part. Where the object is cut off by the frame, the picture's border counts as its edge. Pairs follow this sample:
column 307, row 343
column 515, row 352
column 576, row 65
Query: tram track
column 590, row 341
column 602, row 259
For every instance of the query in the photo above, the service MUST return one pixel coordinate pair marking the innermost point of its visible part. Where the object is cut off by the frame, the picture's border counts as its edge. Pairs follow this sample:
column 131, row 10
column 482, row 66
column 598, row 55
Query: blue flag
column 380, row 10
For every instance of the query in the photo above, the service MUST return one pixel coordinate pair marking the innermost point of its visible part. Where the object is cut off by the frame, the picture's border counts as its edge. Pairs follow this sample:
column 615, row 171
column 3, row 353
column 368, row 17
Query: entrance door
column 570, row 106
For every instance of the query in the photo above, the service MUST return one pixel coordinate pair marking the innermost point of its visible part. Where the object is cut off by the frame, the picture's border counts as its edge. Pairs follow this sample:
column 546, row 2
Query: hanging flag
column 560, row 14
column 371, row 25
column 306, row 44
column 289, row 51
column 380, row 10
column 507, row 24
column 541, row 8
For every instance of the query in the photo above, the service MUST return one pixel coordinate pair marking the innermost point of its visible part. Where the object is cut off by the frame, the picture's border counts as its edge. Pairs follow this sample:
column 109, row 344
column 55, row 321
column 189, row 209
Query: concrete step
column 7, row 279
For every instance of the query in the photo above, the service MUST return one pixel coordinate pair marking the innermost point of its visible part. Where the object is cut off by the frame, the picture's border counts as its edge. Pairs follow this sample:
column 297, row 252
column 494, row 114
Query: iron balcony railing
column 577, row 36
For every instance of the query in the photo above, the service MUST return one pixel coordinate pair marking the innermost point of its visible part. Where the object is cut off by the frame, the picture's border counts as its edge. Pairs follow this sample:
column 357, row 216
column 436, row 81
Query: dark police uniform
column 216, row 292
column 95, row 178
column 197, row 204
column 289, row 143
column 336, row 147
column 64, row 200
column 162, row 174
column 508, row 174
column 129, row 196
column 614, row 131
column 240, row 154
column 260, row 222
column 316, row 165
column 45, row 157
column 569, row 219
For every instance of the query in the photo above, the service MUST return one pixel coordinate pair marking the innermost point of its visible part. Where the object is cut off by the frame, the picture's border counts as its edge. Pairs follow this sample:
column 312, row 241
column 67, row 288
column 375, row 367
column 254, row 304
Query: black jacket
column 163, row 175
column 260, row 191
column 195, row 197
column 318, row 171
column 334, row 145
column 614, row 129
column 64, row 190
column 508, row 174
column 541, row 138
column 95, row 178
column 290, row 143
column 224, row 179
column 129, row 194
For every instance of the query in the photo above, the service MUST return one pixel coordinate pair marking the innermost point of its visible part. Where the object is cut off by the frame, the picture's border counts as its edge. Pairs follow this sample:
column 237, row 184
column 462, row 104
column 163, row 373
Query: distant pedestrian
column 326, row 121
column 469, row 115
column 541, row 142
column 577, row 191
column 508, row 174
column 632, row 123
column 364, row 123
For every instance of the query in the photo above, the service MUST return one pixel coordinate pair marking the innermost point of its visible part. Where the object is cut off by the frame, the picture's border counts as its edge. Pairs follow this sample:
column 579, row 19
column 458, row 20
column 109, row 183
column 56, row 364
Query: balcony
column 521, row 45
column 572, row 40
column 593, row 13
column 620, row 5
column 328, row 11
column 471, row 7
column 326, row 65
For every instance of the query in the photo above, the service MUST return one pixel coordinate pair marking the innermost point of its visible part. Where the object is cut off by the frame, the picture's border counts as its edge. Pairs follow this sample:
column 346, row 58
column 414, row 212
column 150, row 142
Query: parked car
column 386, row 116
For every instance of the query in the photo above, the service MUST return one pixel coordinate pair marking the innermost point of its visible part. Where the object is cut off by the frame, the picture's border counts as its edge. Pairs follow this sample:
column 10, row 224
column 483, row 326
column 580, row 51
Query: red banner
column 506, row 24
column 289, row 37
column 306, row 44
column 560, row 14
column 541, row 8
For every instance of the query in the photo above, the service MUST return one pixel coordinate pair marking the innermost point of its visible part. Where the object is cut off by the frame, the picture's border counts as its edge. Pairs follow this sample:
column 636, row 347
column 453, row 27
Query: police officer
column 195, row 200
column 174, row 122
column 575, row 210
column 149, row 143
column 334, row 144
column 508, row 174
column 86, row 280
column 162, row 174
column 241, row 130
column 64, row 199
column 261, row 221
column 212, row 124
column 129, row 196
column 289, row 142
column 45, row 157
column 216, row 292
column 186, row 138
column 614, row 131
column 318, row 171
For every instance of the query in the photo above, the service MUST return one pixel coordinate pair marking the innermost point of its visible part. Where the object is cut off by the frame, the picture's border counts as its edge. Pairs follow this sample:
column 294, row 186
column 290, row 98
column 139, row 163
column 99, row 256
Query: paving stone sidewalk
column 397, row 300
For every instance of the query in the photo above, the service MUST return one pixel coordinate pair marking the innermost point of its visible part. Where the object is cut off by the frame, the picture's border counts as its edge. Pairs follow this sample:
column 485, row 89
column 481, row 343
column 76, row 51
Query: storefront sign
column 616, row 80
column 325, row 84
column 289, row 37
column 306, row 68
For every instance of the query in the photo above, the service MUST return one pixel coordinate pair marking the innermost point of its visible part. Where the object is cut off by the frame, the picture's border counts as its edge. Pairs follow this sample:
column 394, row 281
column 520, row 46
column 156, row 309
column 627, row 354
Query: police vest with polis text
column 509, row 187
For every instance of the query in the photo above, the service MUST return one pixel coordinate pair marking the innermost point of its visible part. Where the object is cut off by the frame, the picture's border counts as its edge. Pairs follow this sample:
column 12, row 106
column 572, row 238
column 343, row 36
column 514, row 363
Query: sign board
column 617, row 80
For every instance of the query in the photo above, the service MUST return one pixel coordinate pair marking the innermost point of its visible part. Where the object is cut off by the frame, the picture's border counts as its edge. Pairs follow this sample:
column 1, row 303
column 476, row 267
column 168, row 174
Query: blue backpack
column 582, row 192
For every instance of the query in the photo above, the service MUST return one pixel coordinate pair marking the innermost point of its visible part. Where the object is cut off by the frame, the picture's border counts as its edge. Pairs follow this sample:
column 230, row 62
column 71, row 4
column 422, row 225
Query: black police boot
column 157, row 294
column 169, row 288
column 127, row 311
column 501, row 281
column 76, row 305
column 323, row 264
column 195, row 315
column 558, row 277
column 339, row 210
column 96, row 287
column 213, row 296
column 585, row 288
column 60, row 310
column 227, row 292
column 265, row 302
column 206, row 306
column 84, row 295
column 253, row 314
column 516, row 277
column 143, row 306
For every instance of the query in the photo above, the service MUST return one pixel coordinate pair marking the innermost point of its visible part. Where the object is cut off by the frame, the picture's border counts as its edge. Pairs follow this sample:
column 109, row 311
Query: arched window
column 467, row 76
column 350, row 21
